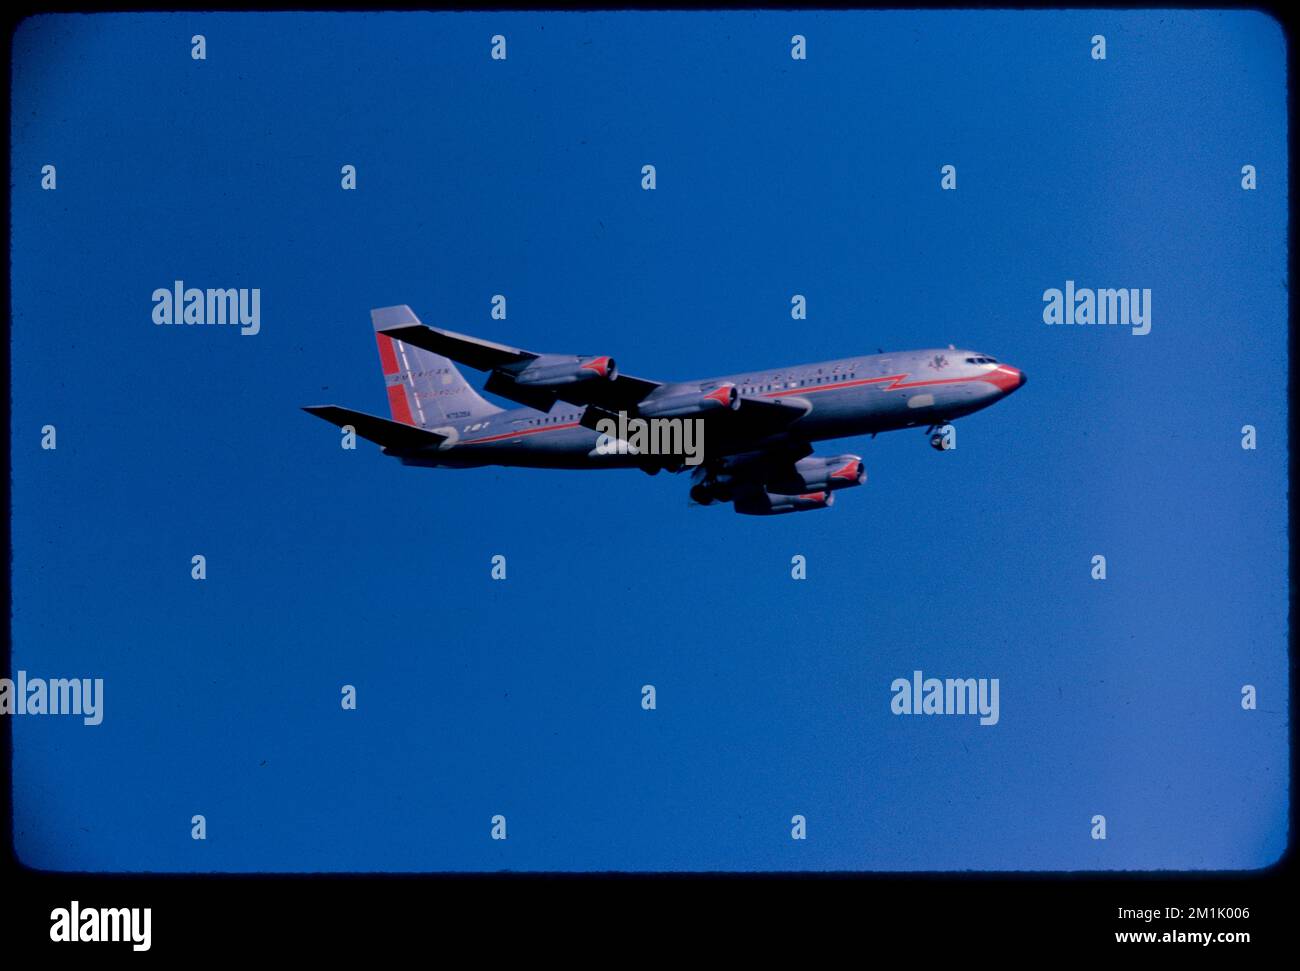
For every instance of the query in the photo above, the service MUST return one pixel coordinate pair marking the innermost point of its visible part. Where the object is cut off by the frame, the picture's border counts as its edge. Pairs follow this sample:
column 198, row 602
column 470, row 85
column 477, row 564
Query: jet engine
column 773, row 504
column 694, row 403
column 543, row 374
column 817, row 473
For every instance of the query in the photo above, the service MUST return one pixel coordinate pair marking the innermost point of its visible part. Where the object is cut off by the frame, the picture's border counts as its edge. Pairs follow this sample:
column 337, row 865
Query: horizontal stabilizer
column 381, row 431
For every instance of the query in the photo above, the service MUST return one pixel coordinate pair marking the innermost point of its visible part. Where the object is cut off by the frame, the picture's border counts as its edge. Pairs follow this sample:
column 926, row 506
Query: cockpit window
column 981, row 360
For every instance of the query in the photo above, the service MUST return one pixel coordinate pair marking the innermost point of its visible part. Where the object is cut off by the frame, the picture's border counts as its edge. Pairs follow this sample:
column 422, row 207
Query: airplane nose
column 1006, row 378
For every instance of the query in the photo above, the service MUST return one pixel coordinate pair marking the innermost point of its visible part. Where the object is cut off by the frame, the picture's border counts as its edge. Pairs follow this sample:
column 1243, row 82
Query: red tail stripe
column 397, row 405
column 387, row 356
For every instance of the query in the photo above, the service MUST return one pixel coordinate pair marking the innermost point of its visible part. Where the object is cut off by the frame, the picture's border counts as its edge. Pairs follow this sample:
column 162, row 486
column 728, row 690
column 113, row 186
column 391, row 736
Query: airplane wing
column 765, row 415
column 752, row 420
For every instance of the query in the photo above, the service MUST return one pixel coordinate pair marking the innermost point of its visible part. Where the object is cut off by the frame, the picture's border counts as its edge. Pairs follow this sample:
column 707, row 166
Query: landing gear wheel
column 702, row 494
column 936, row 442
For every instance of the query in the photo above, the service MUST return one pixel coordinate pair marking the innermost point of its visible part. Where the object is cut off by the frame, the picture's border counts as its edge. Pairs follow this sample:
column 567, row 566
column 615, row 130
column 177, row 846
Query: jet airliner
column 759, row 426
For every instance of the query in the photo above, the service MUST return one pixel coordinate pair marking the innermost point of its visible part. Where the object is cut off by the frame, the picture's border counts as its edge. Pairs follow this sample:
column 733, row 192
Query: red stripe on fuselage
column 897, row 379
column 520, row 434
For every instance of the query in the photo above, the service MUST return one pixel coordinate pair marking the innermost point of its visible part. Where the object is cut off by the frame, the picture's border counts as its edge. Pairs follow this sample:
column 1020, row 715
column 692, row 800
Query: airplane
column 759, row 426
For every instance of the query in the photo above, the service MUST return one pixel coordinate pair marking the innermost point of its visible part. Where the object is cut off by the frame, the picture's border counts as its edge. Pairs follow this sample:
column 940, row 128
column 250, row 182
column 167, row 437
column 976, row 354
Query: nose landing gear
column 942, row 437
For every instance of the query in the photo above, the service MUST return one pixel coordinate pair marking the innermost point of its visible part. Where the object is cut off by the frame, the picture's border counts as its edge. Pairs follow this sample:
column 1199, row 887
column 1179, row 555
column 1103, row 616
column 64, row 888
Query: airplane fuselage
column 859, row 395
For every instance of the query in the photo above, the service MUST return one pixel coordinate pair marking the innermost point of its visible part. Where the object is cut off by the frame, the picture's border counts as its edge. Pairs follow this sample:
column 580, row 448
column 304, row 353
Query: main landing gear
column 710, row 491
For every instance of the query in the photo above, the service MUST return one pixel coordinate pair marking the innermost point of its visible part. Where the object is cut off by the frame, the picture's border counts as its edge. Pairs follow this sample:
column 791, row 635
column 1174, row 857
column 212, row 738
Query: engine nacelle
column 693, row 403
column 818, row 473
column 774, row 504
column 546, row 374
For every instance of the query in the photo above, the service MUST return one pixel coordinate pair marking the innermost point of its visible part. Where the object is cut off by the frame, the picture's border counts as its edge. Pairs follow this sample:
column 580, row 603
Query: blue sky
column 522, row 697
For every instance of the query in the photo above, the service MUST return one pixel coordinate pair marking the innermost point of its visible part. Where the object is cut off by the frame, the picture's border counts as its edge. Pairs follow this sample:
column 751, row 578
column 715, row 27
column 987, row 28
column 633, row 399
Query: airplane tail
column 424, row 389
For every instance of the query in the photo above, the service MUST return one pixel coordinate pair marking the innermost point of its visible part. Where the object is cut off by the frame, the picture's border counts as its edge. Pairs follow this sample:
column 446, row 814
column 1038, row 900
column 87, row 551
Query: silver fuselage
column 859, row 395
